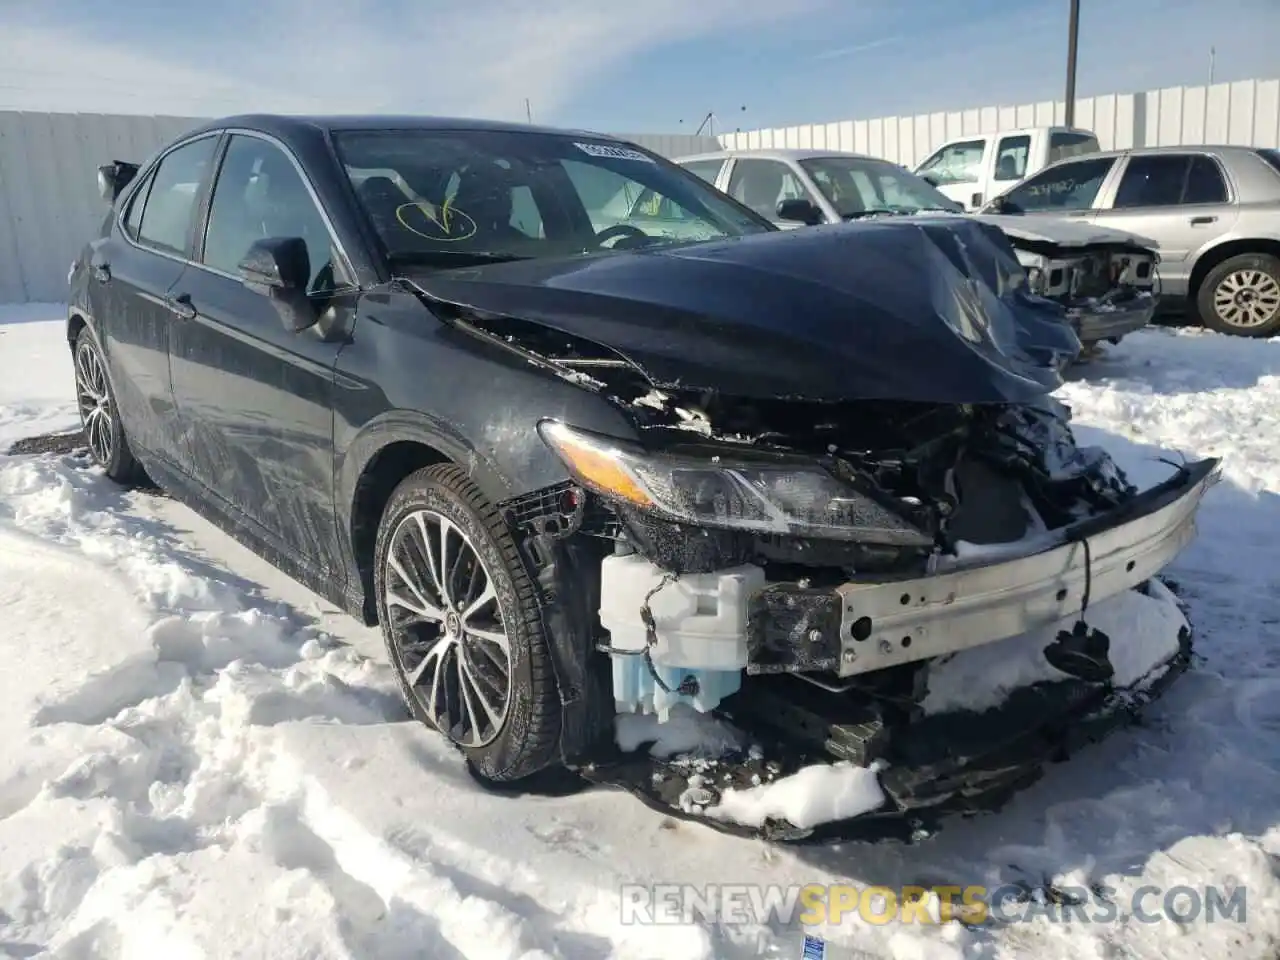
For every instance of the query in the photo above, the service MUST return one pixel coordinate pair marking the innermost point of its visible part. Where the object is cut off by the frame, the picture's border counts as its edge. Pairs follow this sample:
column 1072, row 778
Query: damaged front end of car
column 1107, row 288
column 803, row 568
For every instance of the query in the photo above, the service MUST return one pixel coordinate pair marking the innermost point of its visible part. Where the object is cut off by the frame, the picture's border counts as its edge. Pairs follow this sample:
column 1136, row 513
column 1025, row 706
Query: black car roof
column 283, row 125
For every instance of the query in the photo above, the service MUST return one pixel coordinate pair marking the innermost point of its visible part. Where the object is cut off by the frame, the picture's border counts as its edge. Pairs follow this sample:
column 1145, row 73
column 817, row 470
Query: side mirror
column 800, row 210
column 994, row 205
column 114, row 177
column 279, row 268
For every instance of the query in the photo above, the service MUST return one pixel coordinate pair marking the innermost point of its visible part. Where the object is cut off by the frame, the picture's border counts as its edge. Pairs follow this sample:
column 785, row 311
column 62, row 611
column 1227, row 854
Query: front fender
column 401, row 426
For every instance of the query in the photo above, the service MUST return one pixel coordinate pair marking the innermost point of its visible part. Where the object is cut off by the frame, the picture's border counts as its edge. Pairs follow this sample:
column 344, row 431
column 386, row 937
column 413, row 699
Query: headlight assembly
column 728, row 490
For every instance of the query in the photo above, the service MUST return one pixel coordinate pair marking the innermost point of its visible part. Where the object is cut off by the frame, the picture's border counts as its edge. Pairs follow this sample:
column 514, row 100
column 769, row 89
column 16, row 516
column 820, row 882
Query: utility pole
column 1213, row 56
column 1073, row 37
column 528, row 110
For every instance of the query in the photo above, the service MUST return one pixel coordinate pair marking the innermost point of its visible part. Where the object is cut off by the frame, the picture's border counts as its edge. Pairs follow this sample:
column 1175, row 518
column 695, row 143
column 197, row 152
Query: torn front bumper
column 931, row 767
column 1111, row 320
column 874, row 623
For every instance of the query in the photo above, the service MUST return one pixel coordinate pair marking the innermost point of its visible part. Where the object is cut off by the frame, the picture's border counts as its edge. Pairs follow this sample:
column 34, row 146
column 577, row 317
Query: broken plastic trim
column 588, row 355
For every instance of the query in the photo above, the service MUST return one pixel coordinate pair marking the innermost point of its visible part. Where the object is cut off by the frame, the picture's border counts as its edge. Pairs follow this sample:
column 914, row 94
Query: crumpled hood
column 1061, row 231
column 927, row 311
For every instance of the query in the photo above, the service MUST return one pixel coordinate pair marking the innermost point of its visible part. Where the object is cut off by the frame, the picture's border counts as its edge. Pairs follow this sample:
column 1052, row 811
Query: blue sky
column 618, row 65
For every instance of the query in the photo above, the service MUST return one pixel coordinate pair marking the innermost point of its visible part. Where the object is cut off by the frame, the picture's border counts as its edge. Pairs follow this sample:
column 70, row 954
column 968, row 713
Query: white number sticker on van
column 611, row 152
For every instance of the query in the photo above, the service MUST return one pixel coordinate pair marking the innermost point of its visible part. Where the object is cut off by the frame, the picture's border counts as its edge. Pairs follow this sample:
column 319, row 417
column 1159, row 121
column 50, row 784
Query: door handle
column 180, row 306
column 976, row 200
column 1197, row 221
column 102, row 272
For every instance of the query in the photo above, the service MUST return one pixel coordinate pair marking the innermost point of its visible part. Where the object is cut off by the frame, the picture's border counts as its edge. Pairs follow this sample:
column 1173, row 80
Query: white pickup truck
column 972, row 170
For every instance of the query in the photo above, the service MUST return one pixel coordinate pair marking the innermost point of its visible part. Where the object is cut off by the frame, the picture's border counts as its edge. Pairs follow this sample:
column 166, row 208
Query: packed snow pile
column 810, row 797
column 202, row 760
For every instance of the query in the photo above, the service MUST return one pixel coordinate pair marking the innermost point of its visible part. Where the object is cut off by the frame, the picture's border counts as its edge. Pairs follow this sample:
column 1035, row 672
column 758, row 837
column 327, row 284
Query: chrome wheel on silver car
column 462, row 621
column 1241, row 296
column 447, row 629
column 1247, row 298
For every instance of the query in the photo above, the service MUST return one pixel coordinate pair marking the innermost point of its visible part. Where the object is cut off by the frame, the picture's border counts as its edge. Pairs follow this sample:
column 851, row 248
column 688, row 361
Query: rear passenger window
column 1152, row 181
column 1170, row 180
column 171, row 201
column 1204, row 182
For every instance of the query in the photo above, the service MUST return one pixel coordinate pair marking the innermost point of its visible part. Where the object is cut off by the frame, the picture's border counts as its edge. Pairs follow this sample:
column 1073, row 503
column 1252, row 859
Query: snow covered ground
column 200, row 759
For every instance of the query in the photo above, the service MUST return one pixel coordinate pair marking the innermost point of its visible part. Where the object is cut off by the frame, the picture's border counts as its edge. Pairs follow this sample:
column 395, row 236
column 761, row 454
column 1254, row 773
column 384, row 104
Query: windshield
column 451, row 196
column 858, row 186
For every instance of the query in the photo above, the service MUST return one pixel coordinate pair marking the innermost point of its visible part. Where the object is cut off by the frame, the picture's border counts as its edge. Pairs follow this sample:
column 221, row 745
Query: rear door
column 133, row 276
column 1182, row 201
column 255, row 397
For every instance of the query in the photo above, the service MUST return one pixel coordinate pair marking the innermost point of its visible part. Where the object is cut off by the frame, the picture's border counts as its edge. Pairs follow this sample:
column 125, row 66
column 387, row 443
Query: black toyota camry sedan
column 586, row 436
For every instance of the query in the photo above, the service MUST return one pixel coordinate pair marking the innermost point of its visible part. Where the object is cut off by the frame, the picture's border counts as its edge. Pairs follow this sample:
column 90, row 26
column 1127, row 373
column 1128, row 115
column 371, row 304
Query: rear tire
column 1241, row 296
column 463, row 625
column 99, row 415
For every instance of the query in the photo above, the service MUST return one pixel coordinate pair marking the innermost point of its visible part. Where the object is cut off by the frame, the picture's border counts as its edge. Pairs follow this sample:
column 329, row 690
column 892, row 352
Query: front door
column 132, row 276
column 255, row 397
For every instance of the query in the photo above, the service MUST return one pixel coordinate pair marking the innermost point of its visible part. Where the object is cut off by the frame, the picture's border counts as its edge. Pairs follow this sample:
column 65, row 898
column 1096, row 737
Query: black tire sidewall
column 1208, row 313
column 509, row 754
column 122, row 465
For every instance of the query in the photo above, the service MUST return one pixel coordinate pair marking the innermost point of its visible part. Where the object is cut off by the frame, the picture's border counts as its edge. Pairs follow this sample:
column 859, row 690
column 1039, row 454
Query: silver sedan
column 1214, row 212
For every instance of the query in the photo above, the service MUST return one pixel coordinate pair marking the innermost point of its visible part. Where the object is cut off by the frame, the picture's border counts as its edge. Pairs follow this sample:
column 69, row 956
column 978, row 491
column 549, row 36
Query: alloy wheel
column 446, row 628
column 93, row 397
column 1247, row 298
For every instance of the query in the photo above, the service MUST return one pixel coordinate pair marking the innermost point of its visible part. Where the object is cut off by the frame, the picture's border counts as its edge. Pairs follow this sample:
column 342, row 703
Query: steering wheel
column 619, row 230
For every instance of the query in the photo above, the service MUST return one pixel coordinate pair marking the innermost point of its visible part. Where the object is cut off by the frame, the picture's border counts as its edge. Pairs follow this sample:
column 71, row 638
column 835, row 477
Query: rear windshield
column 1063, row 145
column 432, row 195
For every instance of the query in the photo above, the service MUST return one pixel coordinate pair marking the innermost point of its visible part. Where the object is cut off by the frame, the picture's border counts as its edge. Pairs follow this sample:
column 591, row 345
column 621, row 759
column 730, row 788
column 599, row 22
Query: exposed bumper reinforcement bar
column 889, row 622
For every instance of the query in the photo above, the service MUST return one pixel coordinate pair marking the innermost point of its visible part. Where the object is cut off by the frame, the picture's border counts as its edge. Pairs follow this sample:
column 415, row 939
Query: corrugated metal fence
column 49, row 202
column 1247, row 113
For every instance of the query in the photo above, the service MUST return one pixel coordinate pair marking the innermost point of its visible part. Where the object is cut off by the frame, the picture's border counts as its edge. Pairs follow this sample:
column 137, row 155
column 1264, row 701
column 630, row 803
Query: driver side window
column 260, row 194
column 1071, row 186
column 762, row 184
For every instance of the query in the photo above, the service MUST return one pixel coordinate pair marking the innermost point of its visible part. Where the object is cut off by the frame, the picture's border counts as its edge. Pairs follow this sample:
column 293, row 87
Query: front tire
column 99, row 415
column 462, row 624
column 1241, row 296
